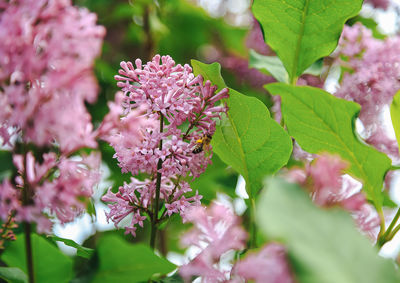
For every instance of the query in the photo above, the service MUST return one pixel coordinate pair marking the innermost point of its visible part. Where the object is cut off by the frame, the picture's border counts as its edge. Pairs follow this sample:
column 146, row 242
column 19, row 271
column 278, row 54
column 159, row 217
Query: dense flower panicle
column 268, row 265
column 216, row 231
column 61, row 196
column 373, row 82
column 47, row 52
column 324, row 178
column 161, row 113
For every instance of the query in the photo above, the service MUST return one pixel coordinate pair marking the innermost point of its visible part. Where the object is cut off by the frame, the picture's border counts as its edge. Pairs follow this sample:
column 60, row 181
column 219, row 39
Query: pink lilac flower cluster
column 217, row 231
column 373, row 81
column 328, row 187
column 46, row 59
column 54, row 187
column 162, row 111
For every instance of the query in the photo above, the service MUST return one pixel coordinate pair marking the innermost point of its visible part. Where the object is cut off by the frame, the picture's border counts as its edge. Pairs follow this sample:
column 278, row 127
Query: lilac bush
column 231, row 175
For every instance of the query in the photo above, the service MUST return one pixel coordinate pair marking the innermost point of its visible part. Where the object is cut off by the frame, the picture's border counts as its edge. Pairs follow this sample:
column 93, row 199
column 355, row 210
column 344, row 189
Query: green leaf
column 323, row 245
column 270, row 65
column 13, row 274
column 216, row 178
column 248, row 139
column 123, row 262
column 321, row 122
column 50, row 264
column 80, row 251
column 395, row 115
column 6, row 164
column 211, row 72
column 302, row 31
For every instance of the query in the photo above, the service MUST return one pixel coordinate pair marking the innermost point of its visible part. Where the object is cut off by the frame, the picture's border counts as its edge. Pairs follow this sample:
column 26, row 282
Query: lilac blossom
column 46, row 59
column 56, row 187
column 218, row 231
column 153, row 125
column 373, row 81
column 328, row 187
column 268, row 265
column 46, row 56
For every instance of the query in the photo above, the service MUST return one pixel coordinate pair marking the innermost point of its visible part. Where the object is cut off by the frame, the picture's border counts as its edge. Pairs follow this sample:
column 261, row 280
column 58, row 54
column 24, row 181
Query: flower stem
column 28, row 250
column 27, row 200
column 154, row 219
column 253, row 239
column 389, row 233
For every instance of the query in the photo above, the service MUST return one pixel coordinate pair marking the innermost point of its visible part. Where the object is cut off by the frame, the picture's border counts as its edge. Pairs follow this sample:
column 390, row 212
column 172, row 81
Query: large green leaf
column 13, row 274
column 248, row 139
column 321, row 122
column 50, row 264
column 302, row 31
column 323, row 245
column 395, row 115
column 124, row 262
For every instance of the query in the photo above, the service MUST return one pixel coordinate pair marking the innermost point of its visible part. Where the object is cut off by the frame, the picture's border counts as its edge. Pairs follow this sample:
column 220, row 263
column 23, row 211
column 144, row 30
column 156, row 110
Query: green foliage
column 302, row 31
column 323, row 245
column 6, row 164
column 50, row 264
column 272, row 65
column 13, row 274
column 216, row 178
column 123, row 262
column 191, row 29
column 395, row 115
column 321, row 122
column 248, row 139
column 80, row 251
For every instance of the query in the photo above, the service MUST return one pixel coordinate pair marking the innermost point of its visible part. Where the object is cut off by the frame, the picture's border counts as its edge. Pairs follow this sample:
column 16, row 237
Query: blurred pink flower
column 324, row 179
column 56, row 187
column 268, row 265
column 373, row 81
column 216, row 230
column 46, row 58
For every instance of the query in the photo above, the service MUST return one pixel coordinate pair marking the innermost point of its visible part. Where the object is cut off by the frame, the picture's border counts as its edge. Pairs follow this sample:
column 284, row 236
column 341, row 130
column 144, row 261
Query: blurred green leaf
column 302, row 31
column 123, row 262
column 248, row 139
column 270, row 65
column 6, row 164
column 323, row 245
column 80, row 251
column 369, row 23
column 321, row 122
column 50, row 264
column 13, row 274
column 216, row 178
column 395, row 115
column 188, row 21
